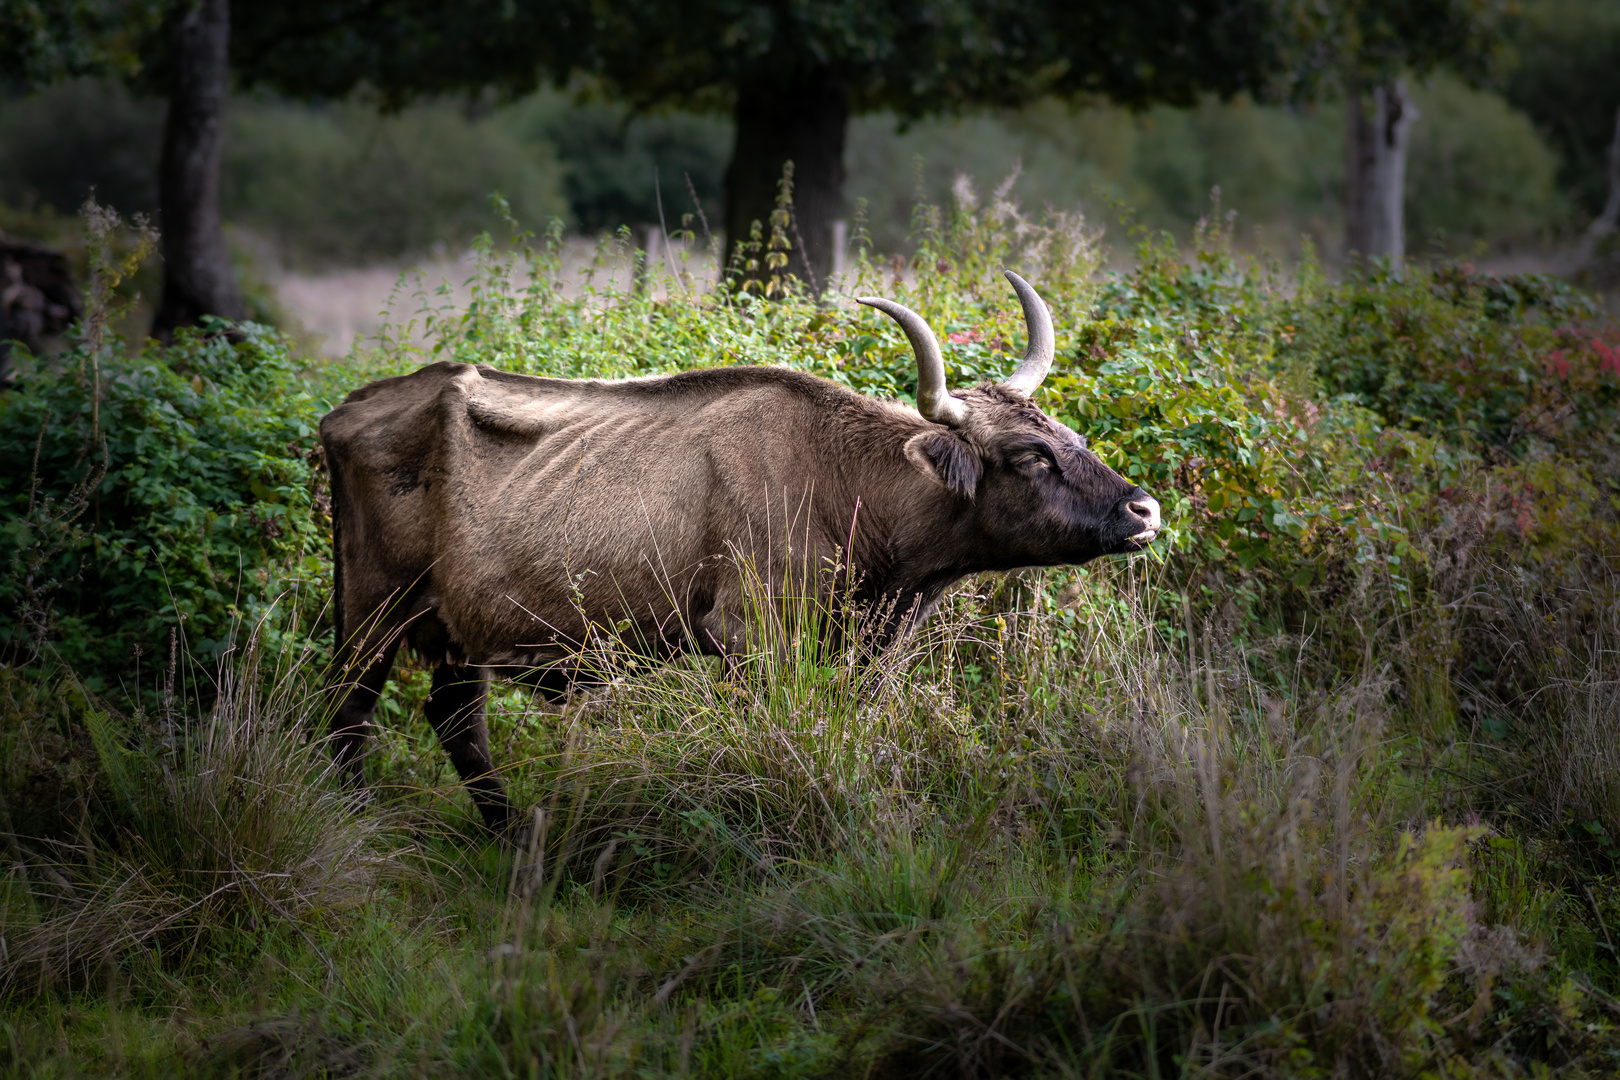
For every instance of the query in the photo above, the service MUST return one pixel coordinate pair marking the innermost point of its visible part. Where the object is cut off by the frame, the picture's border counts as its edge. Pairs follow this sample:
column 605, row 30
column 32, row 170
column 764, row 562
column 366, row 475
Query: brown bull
column 486, row 518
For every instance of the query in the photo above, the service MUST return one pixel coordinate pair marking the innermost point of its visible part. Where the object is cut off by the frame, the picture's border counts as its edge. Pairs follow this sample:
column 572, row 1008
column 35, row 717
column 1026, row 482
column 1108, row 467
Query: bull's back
column 606, row 501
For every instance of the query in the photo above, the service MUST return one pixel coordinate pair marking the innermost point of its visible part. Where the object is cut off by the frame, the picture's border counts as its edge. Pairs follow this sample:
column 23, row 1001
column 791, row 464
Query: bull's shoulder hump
column 419, row 384
column 389, row 396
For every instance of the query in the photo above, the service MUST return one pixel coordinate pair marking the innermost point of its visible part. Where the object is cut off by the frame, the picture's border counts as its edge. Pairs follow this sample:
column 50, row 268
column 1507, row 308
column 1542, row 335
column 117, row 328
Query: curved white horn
column 1037, row 359
column 934, row 401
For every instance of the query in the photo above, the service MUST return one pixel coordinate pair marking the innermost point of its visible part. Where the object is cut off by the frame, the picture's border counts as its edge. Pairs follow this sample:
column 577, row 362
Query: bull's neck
column 910, row 536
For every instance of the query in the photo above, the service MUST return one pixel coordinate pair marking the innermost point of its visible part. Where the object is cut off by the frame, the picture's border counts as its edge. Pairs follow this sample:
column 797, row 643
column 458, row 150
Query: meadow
column 1325, row 784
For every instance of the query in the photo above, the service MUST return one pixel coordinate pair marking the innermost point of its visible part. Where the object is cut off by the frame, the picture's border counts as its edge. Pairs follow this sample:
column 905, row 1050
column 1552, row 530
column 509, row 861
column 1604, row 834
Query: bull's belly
column 503, row 624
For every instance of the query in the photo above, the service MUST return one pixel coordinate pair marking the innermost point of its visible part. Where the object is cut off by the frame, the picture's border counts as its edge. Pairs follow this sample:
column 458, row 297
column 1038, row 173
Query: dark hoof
column 503, row 821
column 524, row 833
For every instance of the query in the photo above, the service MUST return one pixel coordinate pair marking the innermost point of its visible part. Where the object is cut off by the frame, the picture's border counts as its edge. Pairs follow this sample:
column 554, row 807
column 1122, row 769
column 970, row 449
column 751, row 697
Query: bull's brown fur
column 485, row 516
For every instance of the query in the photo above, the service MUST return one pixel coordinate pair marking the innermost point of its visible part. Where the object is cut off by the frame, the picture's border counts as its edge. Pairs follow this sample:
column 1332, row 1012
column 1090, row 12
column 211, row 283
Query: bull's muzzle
column 1144, row 509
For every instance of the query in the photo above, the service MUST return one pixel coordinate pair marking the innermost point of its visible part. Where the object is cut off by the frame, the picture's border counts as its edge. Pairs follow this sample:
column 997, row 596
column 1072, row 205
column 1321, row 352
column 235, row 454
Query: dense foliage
column 148, row 493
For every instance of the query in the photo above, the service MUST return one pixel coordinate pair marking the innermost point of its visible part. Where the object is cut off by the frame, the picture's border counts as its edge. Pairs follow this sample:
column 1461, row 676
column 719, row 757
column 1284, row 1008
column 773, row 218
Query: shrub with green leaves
column 1463, row 355
column 149, row 501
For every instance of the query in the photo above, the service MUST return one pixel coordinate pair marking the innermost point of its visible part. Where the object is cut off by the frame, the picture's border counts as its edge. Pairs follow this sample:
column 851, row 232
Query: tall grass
column 992, row 848
column 1559, row 698
column 193, row 835
column 1174, row 868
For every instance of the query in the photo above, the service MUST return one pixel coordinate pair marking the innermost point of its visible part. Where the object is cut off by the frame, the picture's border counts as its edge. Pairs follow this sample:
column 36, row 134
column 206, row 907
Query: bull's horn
column 934, row 401
column 1037, row 359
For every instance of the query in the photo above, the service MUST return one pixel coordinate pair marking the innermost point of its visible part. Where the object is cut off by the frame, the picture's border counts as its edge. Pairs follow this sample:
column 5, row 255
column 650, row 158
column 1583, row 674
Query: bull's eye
column 1033, row 461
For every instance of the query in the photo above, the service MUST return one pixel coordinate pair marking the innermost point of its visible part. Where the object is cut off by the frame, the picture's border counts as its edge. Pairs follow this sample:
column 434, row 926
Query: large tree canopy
column 42, row 41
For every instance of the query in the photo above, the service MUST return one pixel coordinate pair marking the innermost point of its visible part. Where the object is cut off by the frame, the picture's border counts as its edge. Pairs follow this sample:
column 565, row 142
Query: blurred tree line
column 342, row 184
column 1516, row 161
column 791, row 77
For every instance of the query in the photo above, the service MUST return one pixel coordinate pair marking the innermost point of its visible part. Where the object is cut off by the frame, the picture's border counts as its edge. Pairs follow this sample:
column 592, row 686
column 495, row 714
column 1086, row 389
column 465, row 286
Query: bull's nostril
column 1146, row 510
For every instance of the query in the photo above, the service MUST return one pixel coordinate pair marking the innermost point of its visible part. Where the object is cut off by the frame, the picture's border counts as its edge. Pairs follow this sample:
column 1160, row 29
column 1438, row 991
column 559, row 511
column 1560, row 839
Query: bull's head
column 1037, row 493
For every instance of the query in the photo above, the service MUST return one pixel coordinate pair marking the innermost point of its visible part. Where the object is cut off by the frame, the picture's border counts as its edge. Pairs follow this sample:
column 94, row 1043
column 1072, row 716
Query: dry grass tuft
column 231, row 824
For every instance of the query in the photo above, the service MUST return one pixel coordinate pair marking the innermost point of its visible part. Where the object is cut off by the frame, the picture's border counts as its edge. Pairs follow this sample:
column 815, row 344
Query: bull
column 489, row 519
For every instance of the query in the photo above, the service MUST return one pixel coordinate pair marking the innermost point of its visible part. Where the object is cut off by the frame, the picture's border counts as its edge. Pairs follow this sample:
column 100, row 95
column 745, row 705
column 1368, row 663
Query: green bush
column 1473, row 358
column 166, row 492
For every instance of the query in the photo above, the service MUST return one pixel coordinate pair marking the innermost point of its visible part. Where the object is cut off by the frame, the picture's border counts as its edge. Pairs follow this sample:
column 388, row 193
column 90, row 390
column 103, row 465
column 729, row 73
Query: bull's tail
column 339, row 629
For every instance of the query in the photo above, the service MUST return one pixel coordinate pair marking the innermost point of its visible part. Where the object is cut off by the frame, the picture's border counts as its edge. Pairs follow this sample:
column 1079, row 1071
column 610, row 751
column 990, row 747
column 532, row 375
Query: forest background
column 1511, row 169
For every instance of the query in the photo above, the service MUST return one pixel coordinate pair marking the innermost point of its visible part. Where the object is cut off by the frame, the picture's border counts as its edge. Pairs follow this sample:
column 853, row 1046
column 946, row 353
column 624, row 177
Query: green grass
column 1156, row 862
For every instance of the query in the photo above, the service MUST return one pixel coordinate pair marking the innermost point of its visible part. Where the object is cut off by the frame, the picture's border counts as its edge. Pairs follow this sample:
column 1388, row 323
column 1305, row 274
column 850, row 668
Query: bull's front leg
column 455, row 708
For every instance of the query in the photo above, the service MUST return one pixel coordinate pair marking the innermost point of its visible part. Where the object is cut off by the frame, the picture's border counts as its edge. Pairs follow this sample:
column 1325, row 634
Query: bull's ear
column 947, row 460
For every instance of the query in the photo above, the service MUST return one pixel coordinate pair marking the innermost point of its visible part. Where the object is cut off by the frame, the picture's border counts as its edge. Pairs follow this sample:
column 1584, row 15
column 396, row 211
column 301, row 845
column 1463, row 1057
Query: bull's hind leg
column 455, row 708
column 356, row 701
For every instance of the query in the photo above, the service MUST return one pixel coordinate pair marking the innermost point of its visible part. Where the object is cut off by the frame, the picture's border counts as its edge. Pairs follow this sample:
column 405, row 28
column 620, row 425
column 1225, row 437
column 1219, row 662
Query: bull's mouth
column 1142, row 539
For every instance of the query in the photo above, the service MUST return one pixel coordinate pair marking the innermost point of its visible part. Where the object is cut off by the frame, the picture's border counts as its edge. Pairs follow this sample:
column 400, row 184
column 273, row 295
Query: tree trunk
column 197, row 275
column 802, row 119
column 1375, row 170
column 1608, row 222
